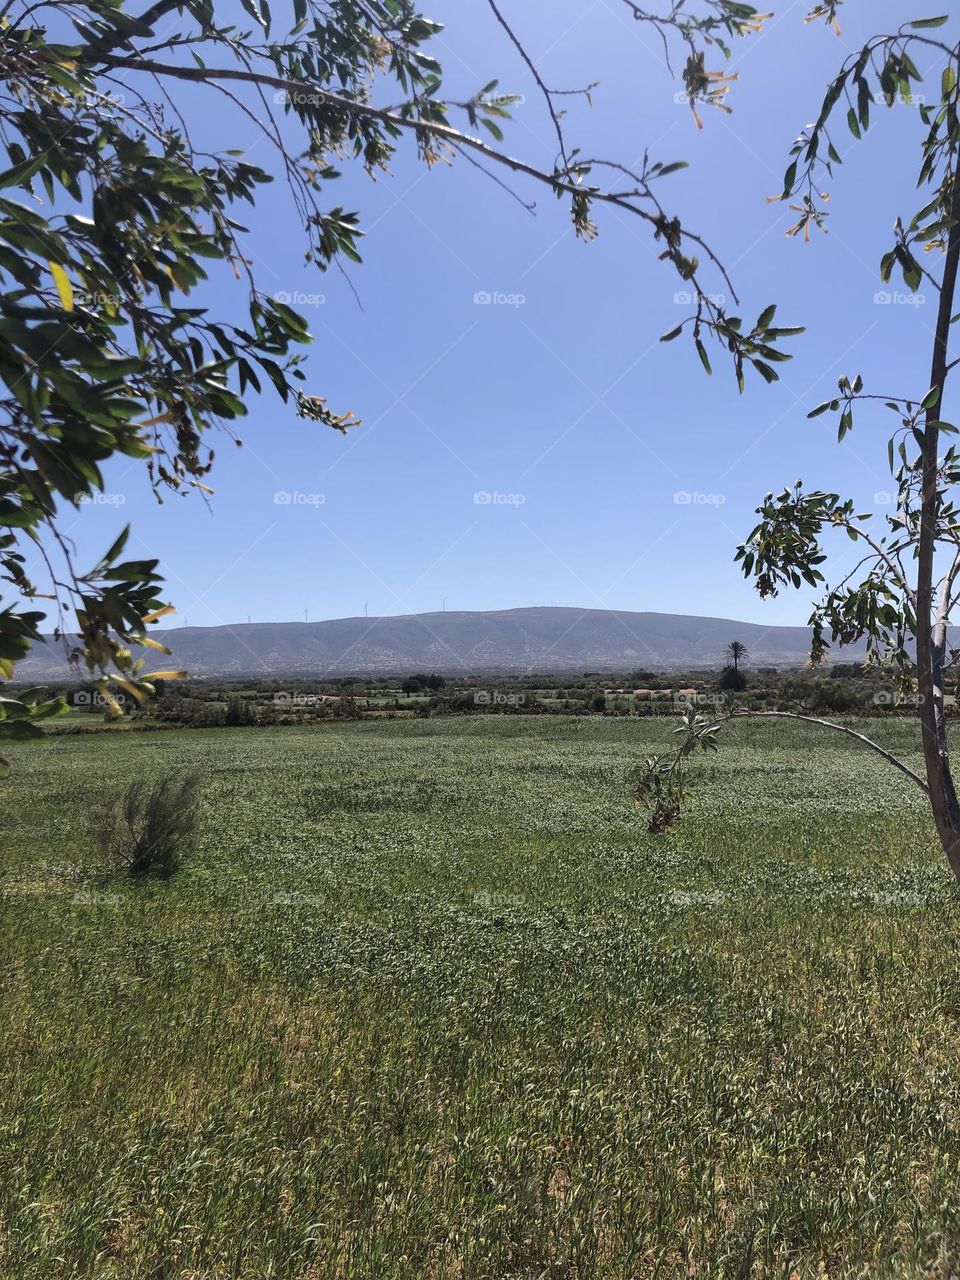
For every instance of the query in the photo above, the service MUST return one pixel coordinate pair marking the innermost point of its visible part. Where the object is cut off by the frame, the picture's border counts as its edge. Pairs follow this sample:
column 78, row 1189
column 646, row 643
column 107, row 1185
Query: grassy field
column 430, row 1003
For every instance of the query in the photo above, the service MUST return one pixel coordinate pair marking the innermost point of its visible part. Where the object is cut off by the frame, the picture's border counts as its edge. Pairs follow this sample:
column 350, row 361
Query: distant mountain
column 507, row 640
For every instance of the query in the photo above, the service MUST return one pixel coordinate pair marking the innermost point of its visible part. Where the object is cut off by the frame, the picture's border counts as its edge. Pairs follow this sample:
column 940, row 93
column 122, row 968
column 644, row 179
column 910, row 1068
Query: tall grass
column 488, row 1028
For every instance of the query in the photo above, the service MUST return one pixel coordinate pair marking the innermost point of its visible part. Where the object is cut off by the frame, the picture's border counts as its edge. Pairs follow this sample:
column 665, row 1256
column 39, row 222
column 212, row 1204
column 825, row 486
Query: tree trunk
column 931, row 635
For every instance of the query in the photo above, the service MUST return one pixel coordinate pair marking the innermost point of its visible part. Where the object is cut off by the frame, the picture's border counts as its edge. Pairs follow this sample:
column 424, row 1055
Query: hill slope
column 519, row 640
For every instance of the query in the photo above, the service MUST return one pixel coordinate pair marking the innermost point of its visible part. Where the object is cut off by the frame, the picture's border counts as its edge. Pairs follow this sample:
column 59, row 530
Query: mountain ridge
column 526, row 640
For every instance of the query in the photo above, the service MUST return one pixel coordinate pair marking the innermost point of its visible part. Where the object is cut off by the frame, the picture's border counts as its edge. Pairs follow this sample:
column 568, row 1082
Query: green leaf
column 492, row 128
column 117, row 546
column 259, row 12
column 23, row 172
column 766, row 316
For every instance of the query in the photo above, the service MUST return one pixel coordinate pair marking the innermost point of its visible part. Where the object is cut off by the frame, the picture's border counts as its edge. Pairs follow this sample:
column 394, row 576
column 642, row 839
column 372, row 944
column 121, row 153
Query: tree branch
column 531, row 67
column 825, row 724
column 350, row 106
column 882, row 554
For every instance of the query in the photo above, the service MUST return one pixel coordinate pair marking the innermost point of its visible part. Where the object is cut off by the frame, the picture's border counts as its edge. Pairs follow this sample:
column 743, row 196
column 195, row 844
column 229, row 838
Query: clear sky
column 557, row 397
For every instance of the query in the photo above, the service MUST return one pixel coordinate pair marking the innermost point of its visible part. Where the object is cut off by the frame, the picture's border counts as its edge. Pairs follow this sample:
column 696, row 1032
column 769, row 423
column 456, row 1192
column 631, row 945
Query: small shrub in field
column 151, row 828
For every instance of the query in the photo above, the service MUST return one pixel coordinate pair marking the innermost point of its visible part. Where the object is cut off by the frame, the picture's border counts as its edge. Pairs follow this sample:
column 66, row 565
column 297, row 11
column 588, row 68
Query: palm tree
column 736, row 652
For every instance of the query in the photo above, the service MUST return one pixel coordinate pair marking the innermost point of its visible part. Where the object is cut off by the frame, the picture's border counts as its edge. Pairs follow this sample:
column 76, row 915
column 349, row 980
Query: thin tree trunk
column 930, row 635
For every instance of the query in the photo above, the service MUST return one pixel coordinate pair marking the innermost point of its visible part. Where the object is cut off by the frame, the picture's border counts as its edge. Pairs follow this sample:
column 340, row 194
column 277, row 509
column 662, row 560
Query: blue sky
column 557, row 398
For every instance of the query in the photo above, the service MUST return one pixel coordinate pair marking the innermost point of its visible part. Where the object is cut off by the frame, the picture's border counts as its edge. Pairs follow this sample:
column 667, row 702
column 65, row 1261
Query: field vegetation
column 843, row 689
column 428, row 1001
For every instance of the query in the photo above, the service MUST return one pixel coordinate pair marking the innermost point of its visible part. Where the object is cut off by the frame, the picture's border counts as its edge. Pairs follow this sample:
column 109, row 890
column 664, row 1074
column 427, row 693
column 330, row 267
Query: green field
column 429, row 1002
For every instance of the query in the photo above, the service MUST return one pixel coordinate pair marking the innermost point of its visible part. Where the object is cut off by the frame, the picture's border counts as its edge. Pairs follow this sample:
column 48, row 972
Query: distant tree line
column 845, row 689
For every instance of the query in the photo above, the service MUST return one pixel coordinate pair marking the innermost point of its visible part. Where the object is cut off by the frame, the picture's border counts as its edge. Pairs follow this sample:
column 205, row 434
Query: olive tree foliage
column 111, row 216
column 899, row 597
